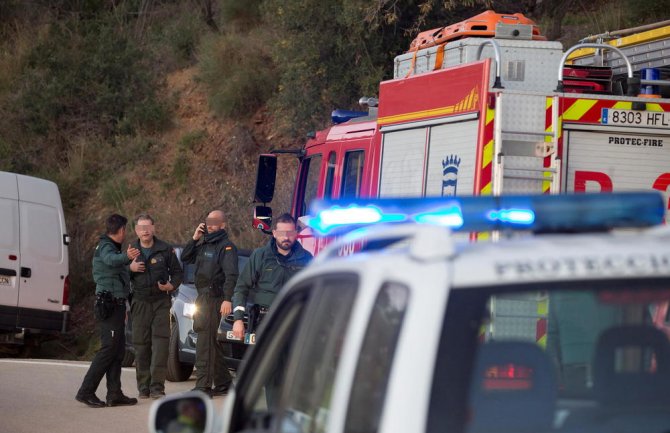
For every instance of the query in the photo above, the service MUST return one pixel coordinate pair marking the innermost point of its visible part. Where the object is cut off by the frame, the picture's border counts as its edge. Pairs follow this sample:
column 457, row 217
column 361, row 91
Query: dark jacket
column 161, row 265
column 110, row 268
column 265, row 274
column 215, row 258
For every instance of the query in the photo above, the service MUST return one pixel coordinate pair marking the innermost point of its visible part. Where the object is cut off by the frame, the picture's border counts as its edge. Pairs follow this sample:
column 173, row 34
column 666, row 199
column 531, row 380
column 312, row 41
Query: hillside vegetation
column 164, row 105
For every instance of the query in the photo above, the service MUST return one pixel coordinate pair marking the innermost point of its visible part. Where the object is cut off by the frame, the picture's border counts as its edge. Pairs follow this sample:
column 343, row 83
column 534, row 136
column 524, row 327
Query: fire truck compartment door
column 616, row 161
column 435, row 160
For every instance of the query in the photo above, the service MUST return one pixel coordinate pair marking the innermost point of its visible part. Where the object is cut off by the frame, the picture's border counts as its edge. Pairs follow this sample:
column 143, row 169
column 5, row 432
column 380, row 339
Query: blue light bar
column 341, row 116
column 538, row 213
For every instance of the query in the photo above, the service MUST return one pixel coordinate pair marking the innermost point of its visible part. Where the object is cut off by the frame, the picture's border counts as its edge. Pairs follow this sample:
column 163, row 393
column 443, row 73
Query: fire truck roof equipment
column 482, row 25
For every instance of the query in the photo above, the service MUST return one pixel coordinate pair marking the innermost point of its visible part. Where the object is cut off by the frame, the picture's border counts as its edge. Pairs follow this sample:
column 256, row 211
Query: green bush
column 116, row 192
column 190, row 140
column 174, row 39
column 238, row 72
column 89, row 77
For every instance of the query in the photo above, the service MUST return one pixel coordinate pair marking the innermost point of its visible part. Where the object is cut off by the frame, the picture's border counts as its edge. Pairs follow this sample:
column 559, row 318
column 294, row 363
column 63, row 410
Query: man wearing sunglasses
column 215, row 258
column 154, row 274
column 268, row 268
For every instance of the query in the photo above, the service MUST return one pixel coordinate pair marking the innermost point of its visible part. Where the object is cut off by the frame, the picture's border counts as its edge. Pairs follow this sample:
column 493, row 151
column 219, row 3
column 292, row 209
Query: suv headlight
column 189, row 310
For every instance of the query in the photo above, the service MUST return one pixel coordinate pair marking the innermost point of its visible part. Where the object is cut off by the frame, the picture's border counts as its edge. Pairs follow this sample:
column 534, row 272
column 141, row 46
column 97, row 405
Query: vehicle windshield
column 589, row 356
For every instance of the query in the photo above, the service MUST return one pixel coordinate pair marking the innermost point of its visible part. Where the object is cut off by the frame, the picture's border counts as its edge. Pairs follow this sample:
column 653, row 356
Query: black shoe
column 90, row 400
column 144, row 394
column 121, row 400
column 203, row 390
column 220, row 390
column 156, row 394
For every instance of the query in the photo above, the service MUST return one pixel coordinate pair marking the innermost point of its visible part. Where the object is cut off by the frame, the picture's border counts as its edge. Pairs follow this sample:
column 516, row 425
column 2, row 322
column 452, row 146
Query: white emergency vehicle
column 34, row 274
column 550, row 329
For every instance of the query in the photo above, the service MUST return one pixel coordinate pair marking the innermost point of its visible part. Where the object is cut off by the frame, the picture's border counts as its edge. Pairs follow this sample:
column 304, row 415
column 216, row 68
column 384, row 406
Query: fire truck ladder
column 645, row 47
column 542, row 144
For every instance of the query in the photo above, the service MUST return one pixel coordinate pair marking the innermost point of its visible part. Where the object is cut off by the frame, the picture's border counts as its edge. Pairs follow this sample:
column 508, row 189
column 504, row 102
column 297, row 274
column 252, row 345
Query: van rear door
column 44, row 256
column 9, row 249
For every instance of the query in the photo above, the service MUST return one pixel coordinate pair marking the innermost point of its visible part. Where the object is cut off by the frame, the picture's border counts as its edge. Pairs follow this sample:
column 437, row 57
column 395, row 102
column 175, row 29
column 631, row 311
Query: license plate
column 248, row 338
column 646, row 119
column 5, row 281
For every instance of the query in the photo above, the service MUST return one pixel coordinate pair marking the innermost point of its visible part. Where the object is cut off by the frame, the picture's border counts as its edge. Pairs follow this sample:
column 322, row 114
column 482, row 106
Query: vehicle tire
column 128, row 358
column 238, row 351
column 177, row 371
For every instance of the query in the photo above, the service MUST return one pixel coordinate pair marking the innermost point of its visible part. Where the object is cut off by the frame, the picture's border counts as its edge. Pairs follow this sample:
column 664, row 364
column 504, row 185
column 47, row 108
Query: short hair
column 114, row 223
column 283, row 218
column 144, row 216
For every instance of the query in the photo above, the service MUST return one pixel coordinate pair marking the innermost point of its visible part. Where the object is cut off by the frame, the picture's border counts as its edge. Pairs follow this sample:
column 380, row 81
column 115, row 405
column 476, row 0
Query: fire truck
column 489, row 107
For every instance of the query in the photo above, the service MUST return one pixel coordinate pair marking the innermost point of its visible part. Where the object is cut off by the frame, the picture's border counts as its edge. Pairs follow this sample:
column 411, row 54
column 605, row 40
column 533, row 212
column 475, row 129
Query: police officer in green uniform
column 154, row 274
column 215, row 258
column 268, row 269
column 111, row 276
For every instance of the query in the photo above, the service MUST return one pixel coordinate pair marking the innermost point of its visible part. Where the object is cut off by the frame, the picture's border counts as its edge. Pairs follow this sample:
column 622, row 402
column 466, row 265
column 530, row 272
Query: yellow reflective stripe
column 486, row 190
column 487, row 154
column 542, row 342
column 490, row 114
column 469, row 102
column 622, row 105
column 578, row 109
column 654, row 107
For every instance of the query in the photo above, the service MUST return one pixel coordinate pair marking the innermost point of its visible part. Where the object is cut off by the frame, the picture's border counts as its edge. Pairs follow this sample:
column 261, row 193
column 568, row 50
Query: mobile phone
column 204, row 227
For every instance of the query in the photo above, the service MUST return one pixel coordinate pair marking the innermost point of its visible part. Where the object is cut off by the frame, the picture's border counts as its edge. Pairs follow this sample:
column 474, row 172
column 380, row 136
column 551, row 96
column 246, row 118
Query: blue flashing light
column 513, row 216
column 341, row 116
column 538, row 213
column 353, row 215
column 449, row 216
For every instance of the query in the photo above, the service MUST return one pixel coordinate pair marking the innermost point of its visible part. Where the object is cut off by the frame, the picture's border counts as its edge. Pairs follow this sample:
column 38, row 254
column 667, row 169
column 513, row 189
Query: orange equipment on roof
column 482, row 25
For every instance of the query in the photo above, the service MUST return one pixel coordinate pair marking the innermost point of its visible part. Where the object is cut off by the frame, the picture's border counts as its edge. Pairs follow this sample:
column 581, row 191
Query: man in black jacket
column 215, row 258
column 155, row 273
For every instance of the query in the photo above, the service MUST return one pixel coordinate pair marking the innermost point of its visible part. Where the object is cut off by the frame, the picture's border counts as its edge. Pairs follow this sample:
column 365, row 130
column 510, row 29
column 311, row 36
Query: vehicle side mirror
column 265, row 178
column 263, row 219
column 189, row 411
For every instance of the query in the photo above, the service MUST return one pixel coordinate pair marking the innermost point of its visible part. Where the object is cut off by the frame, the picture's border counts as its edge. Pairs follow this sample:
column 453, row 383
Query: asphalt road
column 38, row 396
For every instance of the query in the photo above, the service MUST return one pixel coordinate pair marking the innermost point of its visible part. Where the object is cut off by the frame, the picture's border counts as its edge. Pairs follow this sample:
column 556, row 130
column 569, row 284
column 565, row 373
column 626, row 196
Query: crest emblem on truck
column 450, row 175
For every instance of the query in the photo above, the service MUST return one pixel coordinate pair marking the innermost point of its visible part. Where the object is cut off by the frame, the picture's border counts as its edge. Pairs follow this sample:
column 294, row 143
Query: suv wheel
column 177, row 371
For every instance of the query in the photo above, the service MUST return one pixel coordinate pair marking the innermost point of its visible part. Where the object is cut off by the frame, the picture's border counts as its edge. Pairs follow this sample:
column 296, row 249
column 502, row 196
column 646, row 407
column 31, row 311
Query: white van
column 34, row 281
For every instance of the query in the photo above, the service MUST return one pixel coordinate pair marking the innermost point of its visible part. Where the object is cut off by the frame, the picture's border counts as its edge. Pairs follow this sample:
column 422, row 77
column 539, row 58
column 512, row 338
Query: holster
column 104, row 305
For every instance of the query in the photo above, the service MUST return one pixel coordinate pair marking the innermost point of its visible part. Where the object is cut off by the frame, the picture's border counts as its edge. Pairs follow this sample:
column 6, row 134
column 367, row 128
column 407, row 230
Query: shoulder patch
column 229, row 248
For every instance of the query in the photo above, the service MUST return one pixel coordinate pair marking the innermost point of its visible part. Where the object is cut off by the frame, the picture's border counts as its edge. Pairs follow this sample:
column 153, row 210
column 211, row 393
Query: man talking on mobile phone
column 215, row 258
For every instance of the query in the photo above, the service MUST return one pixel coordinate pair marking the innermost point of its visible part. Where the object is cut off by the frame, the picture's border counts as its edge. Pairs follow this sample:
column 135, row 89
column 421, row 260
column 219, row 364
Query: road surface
column 37, row 396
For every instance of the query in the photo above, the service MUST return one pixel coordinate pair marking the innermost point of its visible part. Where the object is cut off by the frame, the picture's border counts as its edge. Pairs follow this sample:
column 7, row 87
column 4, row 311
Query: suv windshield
column 590, row 356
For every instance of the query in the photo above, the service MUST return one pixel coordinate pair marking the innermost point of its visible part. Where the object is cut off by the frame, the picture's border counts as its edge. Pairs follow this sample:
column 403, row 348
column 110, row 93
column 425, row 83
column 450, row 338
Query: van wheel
column 128, row 358
column 177, row 371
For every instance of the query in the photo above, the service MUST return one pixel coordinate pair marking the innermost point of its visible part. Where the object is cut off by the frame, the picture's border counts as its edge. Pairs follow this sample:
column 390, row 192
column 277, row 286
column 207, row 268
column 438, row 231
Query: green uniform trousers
column 151, row 338
column 211, row 369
